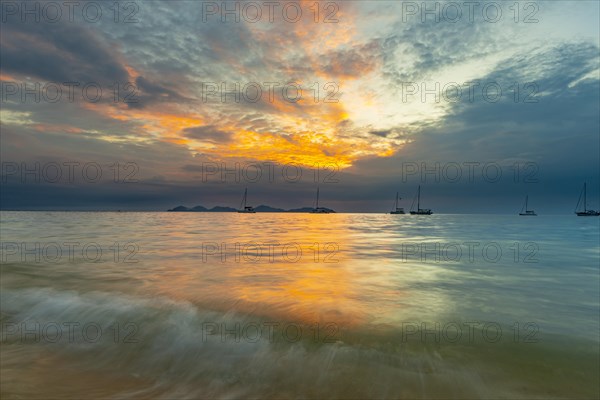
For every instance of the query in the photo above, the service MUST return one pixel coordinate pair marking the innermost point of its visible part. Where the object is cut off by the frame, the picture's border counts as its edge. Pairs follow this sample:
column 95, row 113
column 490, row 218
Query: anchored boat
column 244, row 208
column 419, row 211
column 585, row 212
column 529, row 213
column 320, row 210
column 397, row 210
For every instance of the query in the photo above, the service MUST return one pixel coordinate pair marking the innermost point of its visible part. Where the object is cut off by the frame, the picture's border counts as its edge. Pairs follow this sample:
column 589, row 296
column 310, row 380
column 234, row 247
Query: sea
column 184, row 305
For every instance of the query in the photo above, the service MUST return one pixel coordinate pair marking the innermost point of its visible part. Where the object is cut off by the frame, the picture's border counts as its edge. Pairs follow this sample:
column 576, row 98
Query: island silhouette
column 261, row 208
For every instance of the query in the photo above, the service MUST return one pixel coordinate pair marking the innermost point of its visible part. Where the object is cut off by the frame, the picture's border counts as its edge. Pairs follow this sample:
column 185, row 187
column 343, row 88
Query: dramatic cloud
column 361, row 85
column 208, row 133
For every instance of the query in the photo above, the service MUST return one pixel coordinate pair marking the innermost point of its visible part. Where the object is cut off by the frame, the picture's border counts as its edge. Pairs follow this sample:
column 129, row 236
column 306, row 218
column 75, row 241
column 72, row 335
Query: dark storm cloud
column 417, row 49
column 383, row 133
column 83, row 52
column 558, row 133
column 172, row 52
column 25, row 144
column 56, row 117
column 192, row 168
column 172, row 40
column 146, row 93
column 549, row 109
column 207, row 134
column 63, row 52
column 354, row 62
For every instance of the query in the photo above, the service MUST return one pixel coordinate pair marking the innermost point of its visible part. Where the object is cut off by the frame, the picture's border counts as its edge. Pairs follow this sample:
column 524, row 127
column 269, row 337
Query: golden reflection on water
column 349, row 271
column 175, row 287
column 291, row 267
column 271, row 269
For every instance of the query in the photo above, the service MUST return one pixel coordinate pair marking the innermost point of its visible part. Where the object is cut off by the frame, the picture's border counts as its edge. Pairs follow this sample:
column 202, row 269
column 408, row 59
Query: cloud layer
column 184, row 85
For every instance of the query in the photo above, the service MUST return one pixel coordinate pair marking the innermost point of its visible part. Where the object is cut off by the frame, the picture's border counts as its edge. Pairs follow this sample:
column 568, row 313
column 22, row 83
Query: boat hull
column 585, row 212
column 588, row 214
column 322, row 210
column 421, row 213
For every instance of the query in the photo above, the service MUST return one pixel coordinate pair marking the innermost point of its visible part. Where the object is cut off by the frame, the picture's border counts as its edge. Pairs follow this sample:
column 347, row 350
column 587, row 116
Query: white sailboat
column 419, row 211
column 528, row 213
column 244, row 208
column 585, row 212
column 320, row 210
column 397, row 210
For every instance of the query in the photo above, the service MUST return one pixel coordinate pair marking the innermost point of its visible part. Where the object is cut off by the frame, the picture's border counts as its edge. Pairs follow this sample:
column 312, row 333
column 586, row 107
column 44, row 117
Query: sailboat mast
column 317, row 198
column 526, row 199
column 396, row 200
column 584, row 197
column 419, row 198
column 245, row 197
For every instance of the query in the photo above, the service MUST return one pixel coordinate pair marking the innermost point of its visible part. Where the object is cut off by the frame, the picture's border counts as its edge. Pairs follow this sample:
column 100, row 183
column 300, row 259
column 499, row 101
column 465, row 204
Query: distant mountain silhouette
column 261, row 208
column 301, row 210
column 221, row 209
column 180, row 208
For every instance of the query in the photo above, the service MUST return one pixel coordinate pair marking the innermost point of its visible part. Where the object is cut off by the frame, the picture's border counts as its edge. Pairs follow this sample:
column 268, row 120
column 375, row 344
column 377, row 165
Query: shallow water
column 203, row 305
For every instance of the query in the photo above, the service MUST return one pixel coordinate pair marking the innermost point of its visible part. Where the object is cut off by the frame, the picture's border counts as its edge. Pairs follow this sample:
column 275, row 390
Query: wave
column 157, row 347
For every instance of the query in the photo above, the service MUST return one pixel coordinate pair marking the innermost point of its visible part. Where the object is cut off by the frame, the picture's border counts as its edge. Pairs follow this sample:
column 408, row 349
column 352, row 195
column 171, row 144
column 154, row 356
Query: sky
column 148, row 105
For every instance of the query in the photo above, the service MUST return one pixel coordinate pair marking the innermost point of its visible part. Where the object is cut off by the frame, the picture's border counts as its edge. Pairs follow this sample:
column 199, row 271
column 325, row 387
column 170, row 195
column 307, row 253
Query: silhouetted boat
column 420, row 211
column 320, row 210
column 528, row 213
column 585, row 212
column 397, row 210
column 245, row 208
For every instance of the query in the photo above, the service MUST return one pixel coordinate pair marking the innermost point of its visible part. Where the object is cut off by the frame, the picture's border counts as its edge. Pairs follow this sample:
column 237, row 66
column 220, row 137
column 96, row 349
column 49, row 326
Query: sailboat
column 320, row 210
column 245, row 208
column 420, row 211
column 527, row 212
column 585, row 212
column 397, row 210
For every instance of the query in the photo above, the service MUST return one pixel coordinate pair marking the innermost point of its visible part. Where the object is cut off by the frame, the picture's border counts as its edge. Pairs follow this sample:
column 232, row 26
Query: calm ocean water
column 203, row 305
